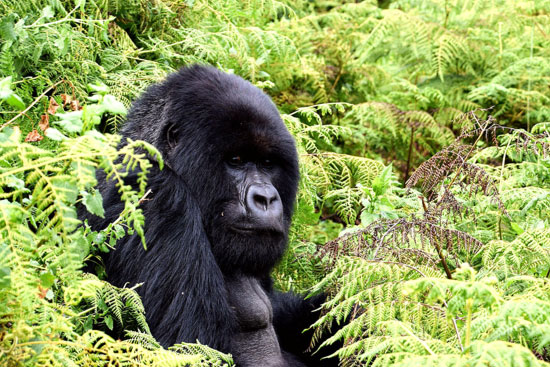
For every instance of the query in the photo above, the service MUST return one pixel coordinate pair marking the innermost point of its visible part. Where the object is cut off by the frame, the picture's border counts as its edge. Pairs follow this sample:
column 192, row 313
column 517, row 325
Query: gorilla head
column 225, row 140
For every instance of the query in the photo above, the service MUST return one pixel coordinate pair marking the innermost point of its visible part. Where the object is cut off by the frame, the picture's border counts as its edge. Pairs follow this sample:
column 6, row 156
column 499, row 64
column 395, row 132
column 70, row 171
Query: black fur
column 200, row 118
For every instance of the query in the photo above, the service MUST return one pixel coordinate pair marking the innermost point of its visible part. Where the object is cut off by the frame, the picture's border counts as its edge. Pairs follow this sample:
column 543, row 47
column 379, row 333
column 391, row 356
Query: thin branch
column 32, row 104
column 80, row 21
column 445, row 266
column 140, row 201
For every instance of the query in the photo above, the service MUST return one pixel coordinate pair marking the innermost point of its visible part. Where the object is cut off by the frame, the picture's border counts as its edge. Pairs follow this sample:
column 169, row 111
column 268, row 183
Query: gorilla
column 217, row 221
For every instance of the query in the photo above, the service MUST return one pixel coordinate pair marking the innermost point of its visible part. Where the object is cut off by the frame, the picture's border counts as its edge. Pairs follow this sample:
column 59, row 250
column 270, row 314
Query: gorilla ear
column 171, row 136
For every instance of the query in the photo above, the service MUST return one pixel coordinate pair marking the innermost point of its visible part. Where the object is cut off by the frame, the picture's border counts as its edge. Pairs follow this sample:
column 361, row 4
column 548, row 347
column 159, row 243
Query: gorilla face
column 225, row 139
column 249, row 226
column 249, row 229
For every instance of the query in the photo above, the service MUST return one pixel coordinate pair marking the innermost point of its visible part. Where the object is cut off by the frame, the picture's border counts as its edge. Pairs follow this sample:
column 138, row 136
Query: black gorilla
column 216, row 222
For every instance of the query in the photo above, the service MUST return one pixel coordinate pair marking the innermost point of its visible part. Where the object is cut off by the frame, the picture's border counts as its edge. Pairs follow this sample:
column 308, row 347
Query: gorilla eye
column 235, row 161
column 267, row 163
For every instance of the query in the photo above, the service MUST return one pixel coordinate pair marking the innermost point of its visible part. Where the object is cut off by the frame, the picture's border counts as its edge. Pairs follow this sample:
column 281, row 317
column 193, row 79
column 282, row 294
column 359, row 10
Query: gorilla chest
column 255, row 342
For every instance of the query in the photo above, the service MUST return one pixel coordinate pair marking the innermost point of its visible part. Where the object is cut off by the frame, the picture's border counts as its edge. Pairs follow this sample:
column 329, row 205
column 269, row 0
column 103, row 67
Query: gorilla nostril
column 261, row 201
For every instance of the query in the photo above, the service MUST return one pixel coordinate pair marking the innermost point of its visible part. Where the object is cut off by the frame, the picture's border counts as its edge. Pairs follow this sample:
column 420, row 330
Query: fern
column 51, row 312
column 367, row 88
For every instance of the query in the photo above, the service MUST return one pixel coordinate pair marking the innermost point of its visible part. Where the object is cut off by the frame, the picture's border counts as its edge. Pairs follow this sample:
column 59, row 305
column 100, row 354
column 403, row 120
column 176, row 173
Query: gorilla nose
column 264, row 202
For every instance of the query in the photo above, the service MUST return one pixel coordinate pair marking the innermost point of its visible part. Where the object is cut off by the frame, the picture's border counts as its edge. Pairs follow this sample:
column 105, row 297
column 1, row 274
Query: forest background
column 423, row 134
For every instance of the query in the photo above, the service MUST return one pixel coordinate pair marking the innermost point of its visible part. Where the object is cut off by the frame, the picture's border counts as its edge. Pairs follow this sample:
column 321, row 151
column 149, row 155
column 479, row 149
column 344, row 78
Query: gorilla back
column 217, row 219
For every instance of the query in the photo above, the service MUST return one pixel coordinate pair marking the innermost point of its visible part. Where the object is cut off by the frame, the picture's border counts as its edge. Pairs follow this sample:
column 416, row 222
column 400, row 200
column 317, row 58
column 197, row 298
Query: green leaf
column 367, row 218
column 5, row 277
column 38, row 347
column 49, row 295
column 99, row 237
column 516, row 228
column 66, row 190
column 89, row 323
column 62, row 44
column 94, row 98
column 47, row 12
column 99, row 88
column 96, row 135
column 5, row 88
column 80, row 247
column 111, row 104
column 15, row 101
column 20, row 32
column 12, row 211
column 102, row 305
column 7, row 28
column 109, row 322
column 119, row 231
column 15, row 183
column 94, row 203
column 71, row 122
column 46, row 280
column 54, row 134
column 7, row 94
column 383, row 181
column 10, row 134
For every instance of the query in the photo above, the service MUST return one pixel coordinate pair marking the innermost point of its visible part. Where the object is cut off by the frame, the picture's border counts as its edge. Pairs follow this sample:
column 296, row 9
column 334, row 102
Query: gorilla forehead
column 237, row 111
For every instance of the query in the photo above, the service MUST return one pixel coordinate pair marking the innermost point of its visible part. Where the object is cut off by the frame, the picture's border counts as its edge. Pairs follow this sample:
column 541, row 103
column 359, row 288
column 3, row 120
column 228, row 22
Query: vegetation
column 424, row 203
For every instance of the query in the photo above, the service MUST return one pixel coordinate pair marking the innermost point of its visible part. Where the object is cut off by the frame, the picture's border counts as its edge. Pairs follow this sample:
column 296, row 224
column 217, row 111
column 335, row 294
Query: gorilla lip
column 243, row 230
column 254, row 230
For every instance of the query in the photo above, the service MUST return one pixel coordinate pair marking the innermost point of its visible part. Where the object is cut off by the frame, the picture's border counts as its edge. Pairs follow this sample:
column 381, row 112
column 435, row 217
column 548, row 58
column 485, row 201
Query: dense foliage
column 424, row 140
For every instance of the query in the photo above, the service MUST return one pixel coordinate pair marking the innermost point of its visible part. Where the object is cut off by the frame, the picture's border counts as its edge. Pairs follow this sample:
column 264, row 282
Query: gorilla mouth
column 254, row 230
column 243, row 230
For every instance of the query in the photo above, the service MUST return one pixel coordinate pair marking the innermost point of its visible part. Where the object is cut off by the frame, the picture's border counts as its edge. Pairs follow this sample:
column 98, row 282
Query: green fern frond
column 527, row 253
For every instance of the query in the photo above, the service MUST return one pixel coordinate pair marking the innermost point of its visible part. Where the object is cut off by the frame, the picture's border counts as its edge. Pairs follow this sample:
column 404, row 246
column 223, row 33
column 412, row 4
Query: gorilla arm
column 183, row 289
column 292, row 315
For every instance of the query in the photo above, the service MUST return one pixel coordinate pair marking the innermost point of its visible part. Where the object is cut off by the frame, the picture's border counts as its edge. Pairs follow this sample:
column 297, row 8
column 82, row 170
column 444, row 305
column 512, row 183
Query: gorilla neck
column 255, row 342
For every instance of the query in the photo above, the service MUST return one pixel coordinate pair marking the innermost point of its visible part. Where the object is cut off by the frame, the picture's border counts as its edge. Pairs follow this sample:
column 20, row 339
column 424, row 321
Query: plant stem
column 445, row 266
column 447, row 13
column 409, row 155
column 469, row 304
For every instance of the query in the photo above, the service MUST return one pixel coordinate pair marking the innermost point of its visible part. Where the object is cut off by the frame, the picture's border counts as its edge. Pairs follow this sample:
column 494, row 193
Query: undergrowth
column 425, row 223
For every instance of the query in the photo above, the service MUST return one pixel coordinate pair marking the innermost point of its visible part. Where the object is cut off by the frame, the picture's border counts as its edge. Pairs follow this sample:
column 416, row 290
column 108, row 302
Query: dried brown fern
column 453, row 163
column 429, row 239
column 407, row 241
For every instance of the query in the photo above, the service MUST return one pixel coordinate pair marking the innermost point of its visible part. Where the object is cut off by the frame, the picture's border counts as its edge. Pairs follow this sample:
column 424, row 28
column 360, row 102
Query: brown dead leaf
column 52, row 109
column 44, row 122
column 75, row 106
column 33, row 136
column 66, row 99
column 42, row 292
